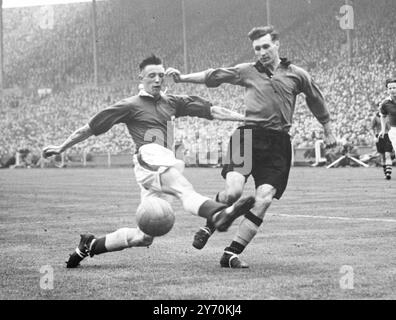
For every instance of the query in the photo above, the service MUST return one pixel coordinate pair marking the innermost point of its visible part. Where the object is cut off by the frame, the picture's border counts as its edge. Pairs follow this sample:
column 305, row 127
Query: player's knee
column 173, row 182
column 235, row 181
column 180, row 165
column 233, row 195
column 263, row 200
column 234, row 186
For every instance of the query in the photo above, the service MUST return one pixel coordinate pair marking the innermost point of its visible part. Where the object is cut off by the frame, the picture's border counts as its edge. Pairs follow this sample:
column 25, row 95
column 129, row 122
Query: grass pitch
column 331, row 236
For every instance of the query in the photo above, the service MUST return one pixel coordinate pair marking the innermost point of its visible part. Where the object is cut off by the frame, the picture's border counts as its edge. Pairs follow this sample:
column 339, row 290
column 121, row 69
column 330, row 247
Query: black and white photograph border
column 197, row 155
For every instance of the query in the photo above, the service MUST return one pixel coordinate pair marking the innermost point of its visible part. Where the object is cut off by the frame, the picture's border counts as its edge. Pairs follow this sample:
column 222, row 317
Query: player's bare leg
column 248, row 228
column 173, row 182
column 234, row 185
column 118, row 240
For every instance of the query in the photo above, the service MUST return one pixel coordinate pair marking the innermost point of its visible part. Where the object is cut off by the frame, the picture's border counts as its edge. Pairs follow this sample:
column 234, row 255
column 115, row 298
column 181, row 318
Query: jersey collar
column 284, row 62
column 144, row 93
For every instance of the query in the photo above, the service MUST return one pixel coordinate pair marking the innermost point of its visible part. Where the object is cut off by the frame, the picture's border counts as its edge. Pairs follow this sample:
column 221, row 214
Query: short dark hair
column 258, row 32
column 390, row 80
column 153, row 59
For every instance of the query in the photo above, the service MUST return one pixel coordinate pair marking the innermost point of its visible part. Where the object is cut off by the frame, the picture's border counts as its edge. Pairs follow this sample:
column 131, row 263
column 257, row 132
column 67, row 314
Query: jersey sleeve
column 192, row 106
column 373, row 123
column 215, row 77
column 107, row 118
column 382, row 107
column 314, row 97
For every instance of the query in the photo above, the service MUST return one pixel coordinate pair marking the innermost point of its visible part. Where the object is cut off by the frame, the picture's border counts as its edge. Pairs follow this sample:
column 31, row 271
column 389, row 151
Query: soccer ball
column 155, row 216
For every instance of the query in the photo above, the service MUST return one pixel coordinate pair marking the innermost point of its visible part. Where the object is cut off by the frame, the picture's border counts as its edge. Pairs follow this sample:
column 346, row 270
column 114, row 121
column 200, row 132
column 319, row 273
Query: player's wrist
column 182, row 78
column 327, row 128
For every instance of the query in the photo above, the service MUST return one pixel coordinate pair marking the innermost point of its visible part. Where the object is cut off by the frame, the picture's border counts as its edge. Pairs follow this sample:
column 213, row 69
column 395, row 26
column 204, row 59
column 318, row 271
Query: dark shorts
column 264, row 154
column 384, row 144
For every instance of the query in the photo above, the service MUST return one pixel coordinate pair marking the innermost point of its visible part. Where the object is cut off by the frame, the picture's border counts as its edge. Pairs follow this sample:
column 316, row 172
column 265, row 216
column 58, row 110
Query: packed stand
column 311, row 38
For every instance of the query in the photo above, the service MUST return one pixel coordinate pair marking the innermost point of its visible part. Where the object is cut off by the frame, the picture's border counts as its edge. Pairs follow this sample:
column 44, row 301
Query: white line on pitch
column 332, row 218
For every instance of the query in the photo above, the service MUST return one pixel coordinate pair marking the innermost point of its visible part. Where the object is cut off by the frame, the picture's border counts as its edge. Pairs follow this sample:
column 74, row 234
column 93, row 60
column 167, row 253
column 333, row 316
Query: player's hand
column 329, row 140
column 174, row 73
column 381, row 134
column 51, row 151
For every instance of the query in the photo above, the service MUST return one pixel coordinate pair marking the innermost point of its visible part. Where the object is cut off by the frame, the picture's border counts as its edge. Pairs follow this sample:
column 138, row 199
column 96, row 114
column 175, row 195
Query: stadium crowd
column 60, row 59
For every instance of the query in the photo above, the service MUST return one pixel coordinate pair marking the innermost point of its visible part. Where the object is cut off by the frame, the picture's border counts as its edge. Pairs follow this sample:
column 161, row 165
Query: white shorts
column 392, row 136
column 150, row 162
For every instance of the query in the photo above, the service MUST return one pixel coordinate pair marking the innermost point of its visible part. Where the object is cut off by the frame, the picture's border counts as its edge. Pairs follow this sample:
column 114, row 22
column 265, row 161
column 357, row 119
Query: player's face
column 152, row 78
column 392, row 90
column 266, row 50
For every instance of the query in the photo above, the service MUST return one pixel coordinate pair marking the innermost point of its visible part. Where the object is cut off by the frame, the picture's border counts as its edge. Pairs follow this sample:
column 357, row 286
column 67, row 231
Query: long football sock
column 209, row 224
column 247, row 230
column 235, row 247
column 209, row 208
column 388, row 170
column 228, row 203
column 388, row 167
column 98, row 246
column 197, row 204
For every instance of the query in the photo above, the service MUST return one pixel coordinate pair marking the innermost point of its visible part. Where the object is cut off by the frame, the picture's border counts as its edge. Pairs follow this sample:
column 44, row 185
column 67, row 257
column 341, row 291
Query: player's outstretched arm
column 373, row 128
column 220, row 113
column 77, row 136
column 197, row 77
